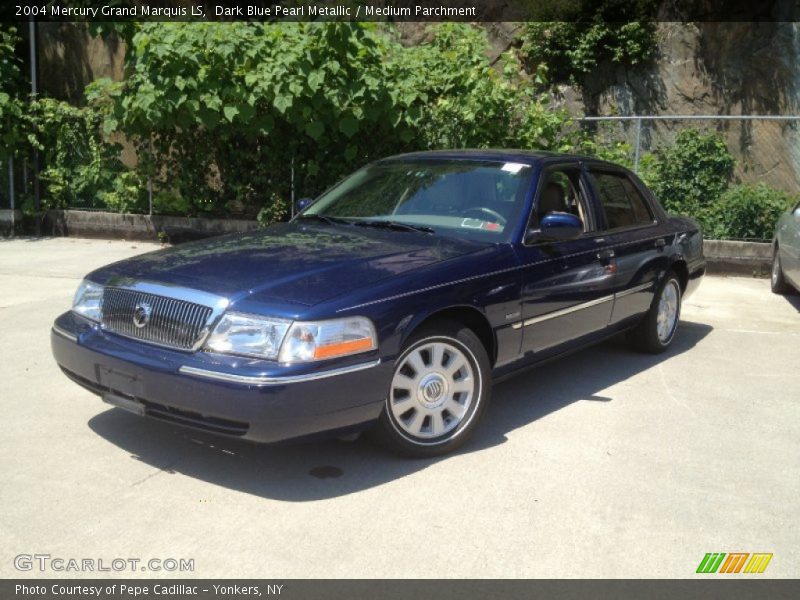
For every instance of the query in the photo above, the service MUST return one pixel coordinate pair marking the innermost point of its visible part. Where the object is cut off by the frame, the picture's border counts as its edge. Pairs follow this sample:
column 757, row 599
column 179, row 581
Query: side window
column 622, row 203
column 561, row 192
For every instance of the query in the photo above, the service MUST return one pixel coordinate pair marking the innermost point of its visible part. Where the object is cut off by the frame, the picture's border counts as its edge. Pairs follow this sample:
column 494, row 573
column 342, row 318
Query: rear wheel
column 657, row 330
column 440, row 388
column 779, row 285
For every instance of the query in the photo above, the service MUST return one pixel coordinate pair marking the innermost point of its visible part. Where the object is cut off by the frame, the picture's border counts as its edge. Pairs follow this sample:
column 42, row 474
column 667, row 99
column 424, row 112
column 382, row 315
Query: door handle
column 607, row 254
column 660, row 243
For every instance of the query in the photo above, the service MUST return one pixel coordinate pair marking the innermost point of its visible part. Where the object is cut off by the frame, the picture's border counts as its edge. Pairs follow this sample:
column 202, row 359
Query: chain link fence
column 766, row 147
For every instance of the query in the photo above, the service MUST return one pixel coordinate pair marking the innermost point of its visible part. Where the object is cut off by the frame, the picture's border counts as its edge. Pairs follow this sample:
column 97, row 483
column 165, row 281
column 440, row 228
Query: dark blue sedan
column 389, row 303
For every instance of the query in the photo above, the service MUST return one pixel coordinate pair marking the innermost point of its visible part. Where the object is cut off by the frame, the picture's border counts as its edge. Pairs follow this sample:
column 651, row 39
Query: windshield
column 477, row 199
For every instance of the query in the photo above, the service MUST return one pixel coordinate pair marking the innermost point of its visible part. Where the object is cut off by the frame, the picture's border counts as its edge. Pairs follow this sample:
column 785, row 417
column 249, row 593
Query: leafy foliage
column 691, row 174
column 80, row 167
column 220, row 112
column 13, row 125
column 594, row 32
column 461, row 101
column 692, row 177
column 275, row 210
column 748, row 212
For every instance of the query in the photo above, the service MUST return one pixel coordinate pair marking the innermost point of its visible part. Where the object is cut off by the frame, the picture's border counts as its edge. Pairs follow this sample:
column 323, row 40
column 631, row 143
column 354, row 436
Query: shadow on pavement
column 793, row 298
column 314, row 471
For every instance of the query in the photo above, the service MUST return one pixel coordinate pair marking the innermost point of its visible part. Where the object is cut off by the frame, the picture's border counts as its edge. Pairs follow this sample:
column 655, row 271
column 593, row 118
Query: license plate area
column 129, row 404
column 119, row 382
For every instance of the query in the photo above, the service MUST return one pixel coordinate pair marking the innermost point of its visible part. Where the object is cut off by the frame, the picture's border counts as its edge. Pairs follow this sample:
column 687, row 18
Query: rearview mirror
column 302, row 203
column 556, row 227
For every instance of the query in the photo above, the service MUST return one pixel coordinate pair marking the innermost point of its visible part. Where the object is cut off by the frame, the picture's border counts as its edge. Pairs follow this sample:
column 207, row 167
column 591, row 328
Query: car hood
column 291, row 262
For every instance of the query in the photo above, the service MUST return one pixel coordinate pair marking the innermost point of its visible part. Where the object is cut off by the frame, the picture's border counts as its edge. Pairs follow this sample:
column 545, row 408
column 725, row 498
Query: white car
column 786, row 252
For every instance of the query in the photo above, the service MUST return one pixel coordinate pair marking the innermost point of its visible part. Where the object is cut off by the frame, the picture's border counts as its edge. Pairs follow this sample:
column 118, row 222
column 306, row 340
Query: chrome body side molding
column 265, row 380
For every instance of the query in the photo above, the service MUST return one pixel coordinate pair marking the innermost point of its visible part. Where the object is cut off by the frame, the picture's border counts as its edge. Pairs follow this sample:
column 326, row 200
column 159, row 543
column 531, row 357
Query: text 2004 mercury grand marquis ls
column 389, row 303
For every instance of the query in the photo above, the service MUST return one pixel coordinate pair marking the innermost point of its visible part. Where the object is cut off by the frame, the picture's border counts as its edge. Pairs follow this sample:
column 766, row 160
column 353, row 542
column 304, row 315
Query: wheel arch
column 682, row 271
column 465, row 314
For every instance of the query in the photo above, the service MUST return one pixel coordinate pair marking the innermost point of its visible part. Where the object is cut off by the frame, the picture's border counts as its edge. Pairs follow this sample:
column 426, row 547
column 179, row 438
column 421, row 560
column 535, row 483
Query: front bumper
column 250, row 399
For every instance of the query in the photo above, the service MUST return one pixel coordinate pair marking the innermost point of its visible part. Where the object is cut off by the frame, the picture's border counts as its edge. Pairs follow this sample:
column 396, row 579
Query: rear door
column 568, row 286
column 633, row 233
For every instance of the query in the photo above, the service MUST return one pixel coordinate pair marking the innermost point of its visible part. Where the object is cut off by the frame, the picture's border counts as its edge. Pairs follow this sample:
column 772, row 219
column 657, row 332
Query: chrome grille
column 171, row 322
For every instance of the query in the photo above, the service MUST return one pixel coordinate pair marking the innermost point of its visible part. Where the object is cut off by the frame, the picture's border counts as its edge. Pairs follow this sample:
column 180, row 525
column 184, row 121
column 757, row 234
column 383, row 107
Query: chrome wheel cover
column 433, row 388
column 668, row 307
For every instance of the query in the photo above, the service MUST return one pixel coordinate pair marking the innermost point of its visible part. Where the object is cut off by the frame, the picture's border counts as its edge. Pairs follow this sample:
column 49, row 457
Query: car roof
column 496, row 154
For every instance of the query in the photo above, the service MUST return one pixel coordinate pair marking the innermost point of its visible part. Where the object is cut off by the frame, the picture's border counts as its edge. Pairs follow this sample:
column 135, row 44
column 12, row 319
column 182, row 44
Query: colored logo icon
column 734, row 562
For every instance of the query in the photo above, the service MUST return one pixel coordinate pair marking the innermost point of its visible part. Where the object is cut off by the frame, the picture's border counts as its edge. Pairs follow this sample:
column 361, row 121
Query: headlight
column 88, row 300
column 250, row 335
column 272, row 338
column 318, row 340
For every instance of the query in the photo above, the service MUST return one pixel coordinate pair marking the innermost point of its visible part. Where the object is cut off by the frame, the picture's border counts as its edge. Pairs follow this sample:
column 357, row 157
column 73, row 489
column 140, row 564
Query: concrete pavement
column 605, row 464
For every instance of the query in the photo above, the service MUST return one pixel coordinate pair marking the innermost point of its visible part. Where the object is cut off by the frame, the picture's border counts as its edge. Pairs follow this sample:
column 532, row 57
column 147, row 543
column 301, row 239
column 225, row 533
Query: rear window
column 622, row 202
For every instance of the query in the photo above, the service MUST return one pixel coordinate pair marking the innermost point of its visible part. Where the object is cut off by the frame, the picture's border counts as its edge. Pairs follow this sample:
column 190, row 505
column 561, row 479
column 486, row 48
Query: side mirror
column 556, row 227
column 302, row 203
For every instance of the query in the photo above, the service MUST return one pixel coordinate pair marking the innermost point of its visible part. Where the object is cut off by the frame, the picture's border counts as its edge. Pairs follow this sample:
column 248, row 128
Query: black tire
column 777, row 281
column 645, row 336
column 394, row 432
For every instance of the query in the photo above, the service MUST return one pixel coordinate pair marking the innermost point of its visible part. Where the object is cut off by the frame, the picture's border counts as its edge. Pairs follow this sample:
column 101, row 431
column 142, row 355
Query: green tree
column 220, row 111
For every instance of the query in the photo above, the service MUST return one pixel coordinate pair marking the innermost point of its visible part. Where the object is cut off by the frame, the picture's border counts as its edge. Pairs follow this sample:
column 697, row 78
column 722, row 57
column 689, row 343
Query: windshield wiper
column 325, row 219
column 395, row 225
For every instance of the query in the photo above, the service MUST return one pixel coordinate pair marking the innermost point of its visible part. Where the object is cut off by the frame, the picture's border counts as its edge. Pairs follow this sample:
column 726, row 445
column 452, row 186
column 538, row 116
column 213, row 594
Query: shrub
column 587, row 34
column 748, row 212
column 457, row 99
column 690, row 175
column 80, row 168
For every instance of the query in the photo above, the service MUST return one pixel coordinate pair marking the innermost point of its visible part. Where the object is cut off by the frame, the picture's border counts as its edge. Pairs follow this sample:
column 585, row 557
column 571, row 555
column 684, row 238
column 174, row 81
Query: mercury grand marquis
column 389, row 303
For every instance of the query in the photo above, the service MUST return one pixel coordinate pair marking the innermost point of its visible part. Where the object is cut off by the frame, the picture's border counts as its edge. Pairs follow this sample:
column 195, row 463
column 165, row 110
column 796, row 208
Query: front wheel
column 656, row 331
column 440, row 388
